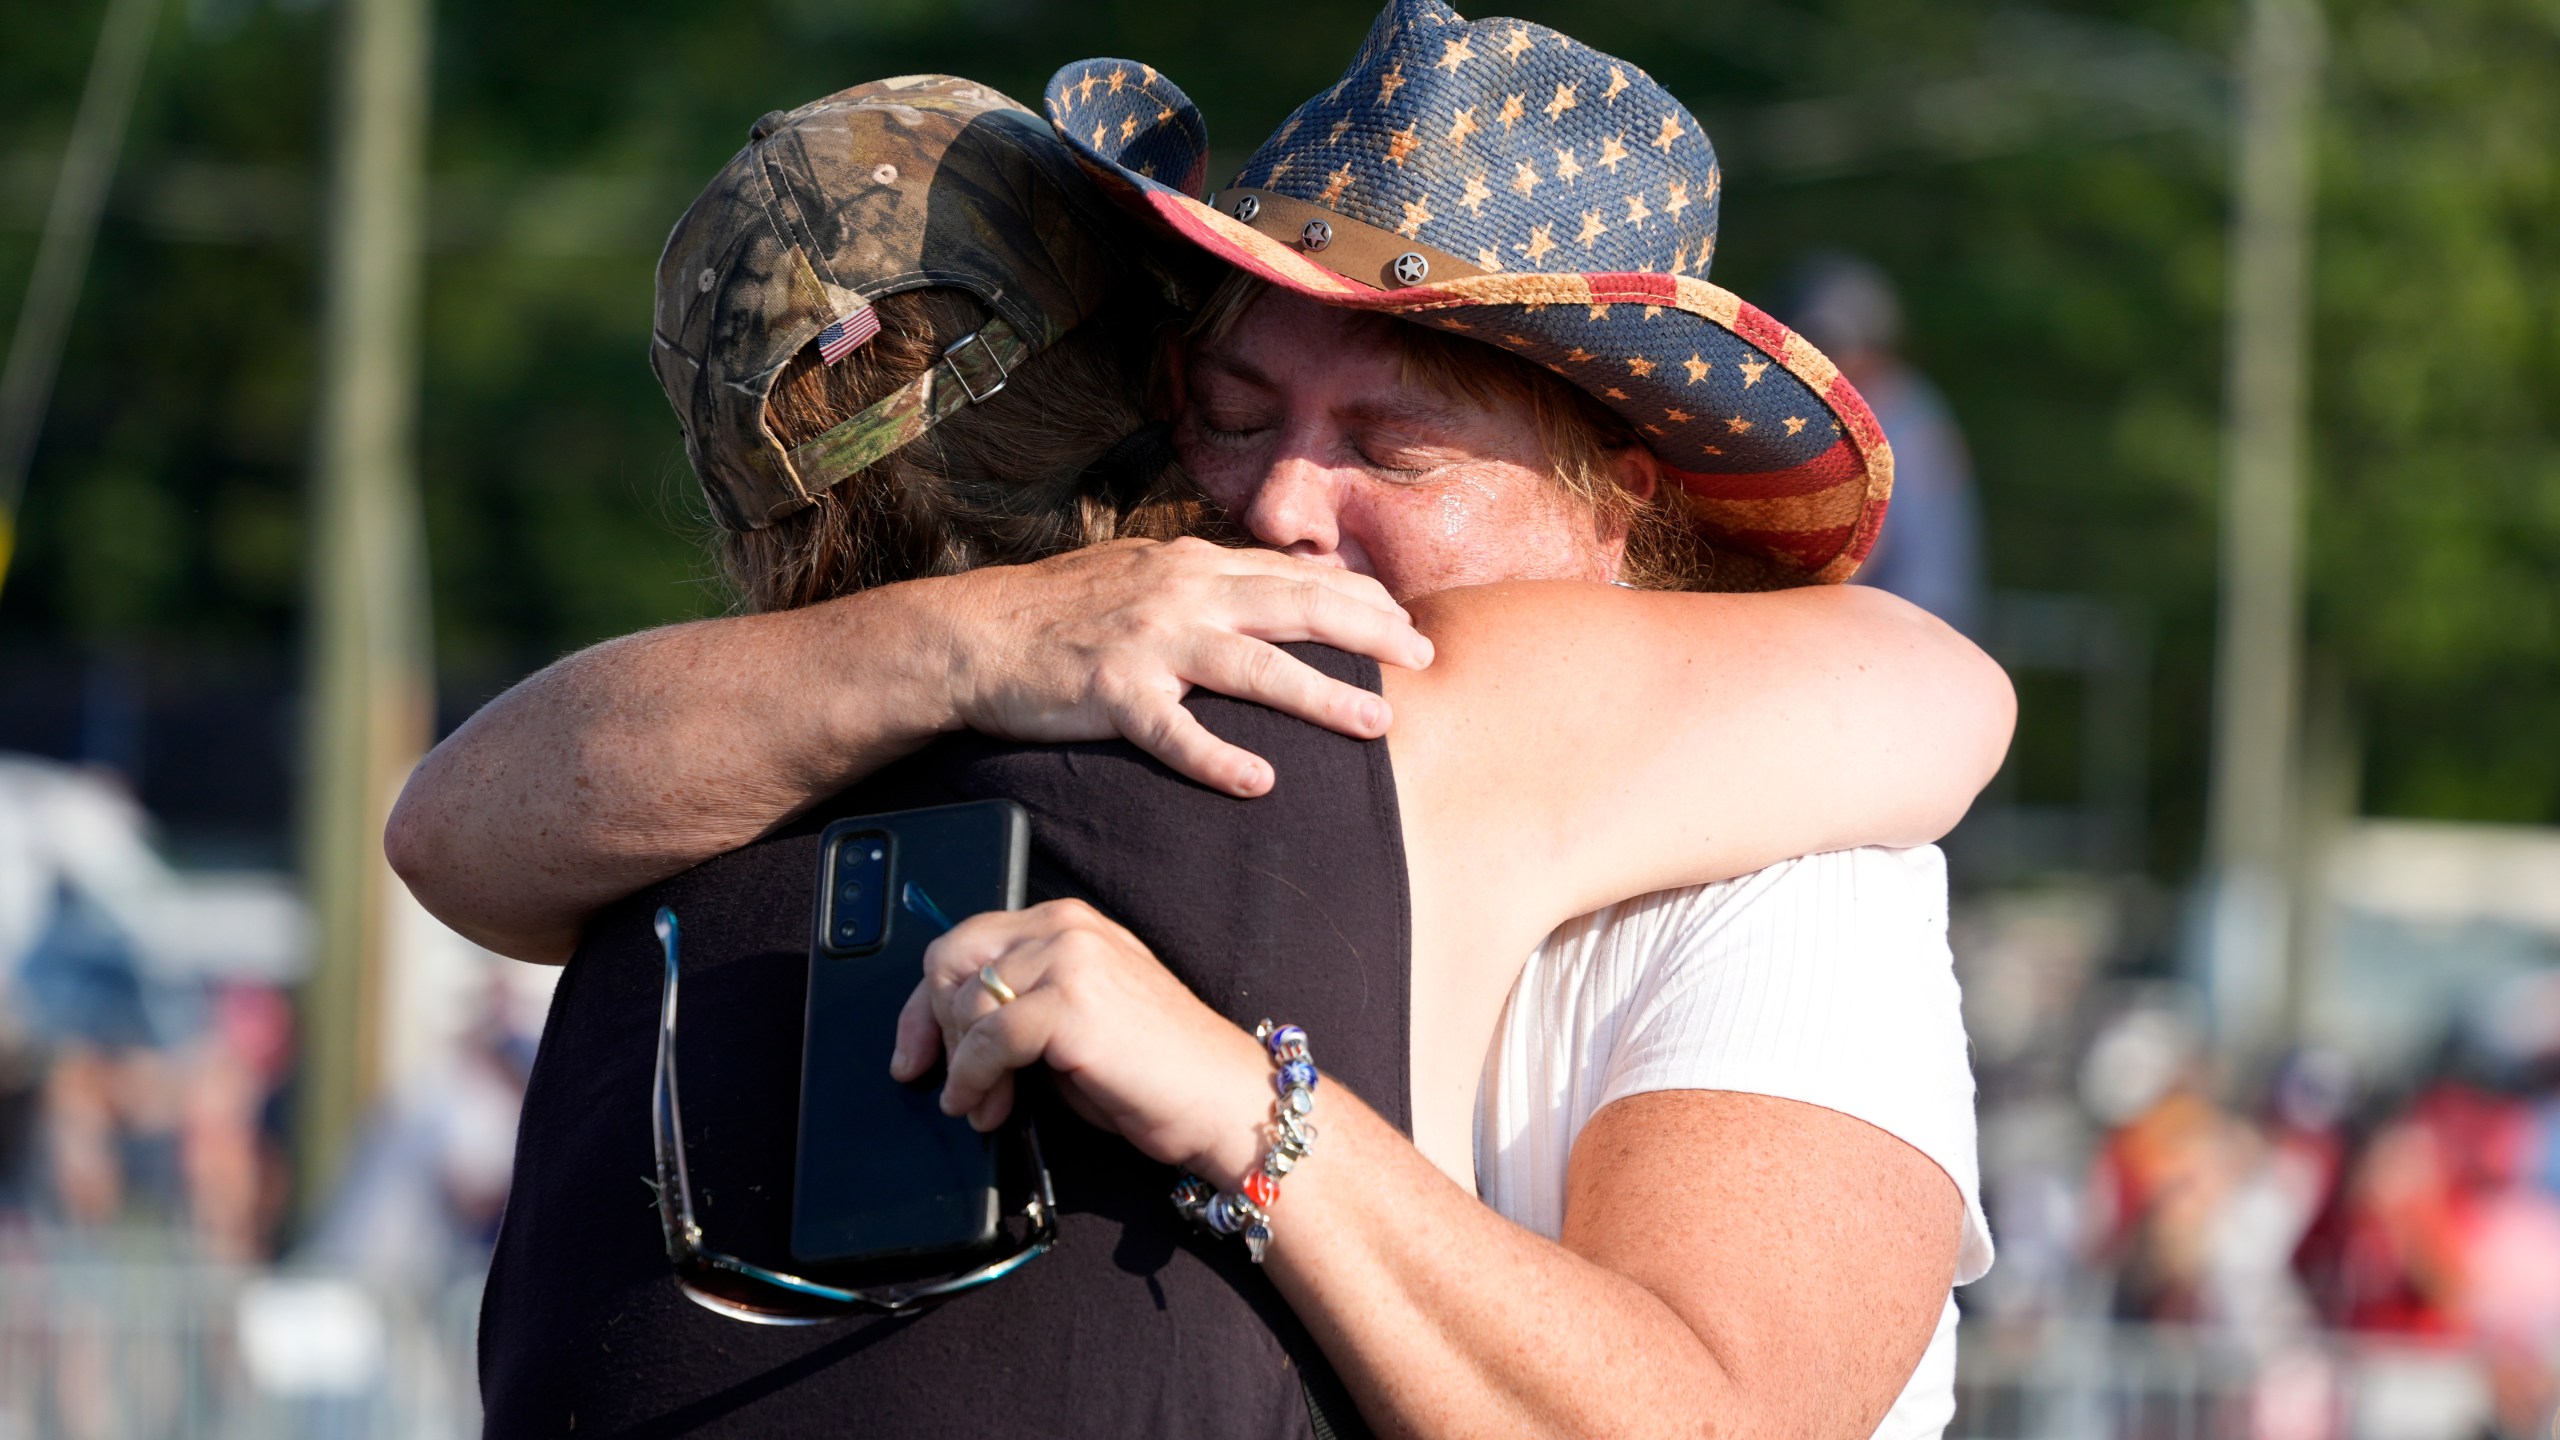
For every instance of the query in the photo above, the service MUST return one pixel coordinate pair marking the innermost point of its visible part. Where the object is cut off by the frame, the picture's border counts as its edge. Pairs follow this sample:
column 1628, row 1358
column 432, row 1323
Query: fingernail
column 1423, row 648
column 898, row 1060
column 1250, row 779
column 1373, row 713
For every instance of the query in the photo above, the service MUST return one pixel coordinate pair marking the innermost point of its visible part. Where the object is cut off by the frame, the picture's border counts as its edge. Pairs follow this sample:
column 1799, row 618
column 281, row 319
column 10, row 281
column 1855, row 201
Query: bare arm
column 1731, row 1264
column 630, row 761
column 1579, row 744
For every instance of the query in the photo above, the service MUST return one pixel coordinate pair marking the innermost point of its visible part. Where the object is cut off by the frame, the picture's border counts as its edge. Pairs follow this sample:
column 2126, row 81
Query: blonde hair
column 1000, row 482
column 1582, row 439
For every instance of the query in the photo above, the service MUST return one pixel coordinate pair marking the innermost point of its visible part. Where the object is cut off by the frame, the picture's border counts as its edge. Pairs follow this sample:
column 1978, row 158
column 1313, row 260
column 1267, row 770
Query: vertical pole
column 368, row 662
column 62, row 257
column 2258, row 663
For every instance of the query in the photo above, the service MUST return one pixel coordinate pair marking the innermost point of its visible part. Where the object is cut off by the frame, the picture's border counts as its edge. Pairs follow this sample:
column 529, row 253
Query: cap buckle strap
column 950, row 360
column 913, row 408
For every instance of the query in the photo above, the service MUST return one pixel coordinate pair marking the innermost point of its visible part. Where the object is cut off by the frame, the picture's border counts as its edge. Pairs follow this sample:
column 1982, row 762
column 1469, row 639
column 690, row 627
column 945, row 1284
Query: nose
column 1296, row 509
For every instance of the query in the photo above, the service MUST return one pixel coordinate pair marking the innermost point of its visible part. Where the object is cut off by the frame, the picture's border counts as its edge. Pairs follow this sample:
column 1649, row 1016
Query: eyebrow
column 1239, row 369
column 1426, row 408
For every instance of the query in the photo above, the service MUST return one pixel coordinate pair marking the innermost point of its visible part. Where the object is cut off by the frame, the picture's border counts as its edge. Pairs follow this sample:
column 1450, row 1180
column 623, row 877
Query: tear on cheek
column 1456, row 514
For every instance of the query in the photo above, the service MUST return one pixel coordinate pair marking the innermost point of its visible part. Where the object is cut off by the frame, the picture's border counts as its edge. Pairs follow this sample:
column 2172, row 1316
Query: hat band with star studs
column 1353, row 249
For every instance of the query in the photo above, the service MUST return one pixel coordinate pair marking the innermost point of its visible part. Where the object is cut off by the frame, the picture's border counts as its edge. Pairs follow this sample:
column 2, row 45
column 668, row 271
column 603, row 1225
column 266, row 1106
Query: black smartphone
column 889, row 1187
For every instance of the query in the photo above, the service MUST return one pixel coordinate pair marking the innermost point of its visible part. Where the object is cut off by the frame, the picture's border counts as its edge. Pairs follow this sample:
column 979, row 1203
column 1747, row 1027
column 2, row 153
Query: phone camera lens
column 848, row 930
column 852, row 892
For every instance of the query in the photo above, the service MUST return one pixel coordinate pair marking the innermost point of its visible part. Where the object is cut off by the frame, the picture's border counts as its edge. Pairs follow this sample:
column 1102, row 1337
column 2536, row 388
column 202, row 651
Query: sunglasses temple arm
column 670, row 1120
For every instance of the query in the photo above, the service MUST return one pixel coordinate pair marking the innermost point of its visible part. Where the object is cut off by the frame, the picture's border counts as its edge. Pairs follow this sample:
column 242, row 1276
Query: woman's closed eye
column 1232, row 429
column 1401, row 456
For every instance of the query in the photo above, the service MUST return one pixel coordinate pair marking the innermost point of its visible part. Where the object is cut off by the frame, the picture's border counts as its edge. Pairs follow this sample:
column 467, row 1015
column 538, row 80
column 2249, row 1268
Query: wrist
column 956, row 618
column 906, row 667
column 1237, row 1110
column 1245, row 1209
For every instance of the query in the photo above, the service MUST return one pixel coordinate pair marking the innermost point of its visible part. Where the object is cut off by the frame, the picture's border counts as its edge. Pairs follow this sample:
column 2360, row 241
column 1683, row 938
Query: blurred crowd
column 136, row 1089
column 2137, row 1176
column 148, row 1055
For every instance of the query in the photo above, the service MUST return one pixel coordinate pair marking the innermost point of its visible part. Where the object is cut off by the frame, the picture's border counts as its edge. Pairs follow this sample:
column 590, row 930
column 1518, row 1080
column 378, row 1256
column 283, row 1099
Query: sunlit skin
column 1299, row 422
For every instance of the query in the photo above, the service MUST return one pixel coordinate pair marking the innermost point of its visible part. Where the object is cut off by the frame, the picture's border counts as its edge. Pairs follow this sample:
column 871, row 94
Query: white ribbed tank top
column 1825, row 979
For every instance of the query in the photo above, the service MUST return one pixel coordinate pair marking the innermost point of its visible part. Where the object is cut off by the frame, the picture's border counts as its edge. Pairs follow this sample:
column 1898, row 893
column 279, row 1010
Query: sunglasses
column 743, row 1290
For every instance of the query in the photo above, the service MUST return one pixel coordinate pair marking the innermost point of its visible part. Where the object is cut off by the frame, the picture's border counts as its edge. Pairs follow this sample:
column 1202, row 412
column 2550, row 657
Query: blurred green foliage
column 2047, row 184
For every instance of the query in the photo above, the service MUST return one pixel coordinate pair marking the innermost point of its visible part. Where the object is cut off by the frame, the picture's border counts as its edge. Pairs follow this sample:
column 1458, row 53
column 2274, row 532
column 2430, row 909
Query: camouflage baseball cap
column 900, row 184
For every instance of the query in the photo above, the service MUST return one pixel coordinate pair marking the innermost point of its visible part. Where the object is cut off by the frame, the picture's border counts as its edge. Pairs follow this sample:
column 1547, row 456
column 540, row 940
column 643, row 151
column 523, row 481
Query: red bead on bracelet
column 1261, row 1189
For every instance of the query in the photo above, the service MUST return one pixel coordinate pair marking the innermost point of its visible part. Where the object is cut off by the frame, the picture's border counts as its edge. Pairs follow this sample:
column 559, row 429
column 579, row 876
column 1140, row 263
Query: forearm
column 1446, row 1319
column 626, row 763
column 1731, row 1263
column 1653, row 741
column 632, row 760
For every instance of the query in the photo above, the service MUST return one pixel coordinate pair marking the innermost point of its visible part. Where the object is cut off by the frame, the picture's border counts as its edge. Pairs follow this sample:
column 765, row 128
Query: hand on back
column 1106, row 641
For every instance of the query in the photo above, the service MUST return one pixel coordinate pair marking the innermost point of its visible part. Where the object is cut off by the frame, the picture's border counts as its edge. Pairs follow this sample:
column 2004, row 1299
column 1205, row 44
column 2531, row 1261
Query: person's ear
column 1637, row 472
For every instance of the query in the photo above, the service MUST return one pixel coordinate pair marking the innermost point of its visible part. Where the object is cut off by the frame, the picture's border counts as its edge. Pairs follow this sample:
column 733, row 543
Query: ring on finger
column 994, row 985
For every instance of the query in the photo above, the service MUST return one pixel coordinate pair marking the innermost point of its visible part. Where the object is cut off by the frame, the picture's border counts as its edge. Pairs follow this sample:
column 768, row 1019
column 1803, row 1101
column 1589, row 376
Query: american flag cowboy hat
column 1501, row 180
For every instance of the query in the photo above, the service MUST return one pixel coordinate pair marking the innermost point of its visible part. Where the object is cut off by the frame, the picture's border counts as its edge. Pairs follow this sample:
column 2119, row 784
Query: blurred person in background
column 231, row 1129
column 2202, row 1208
column 1932, row 554
column 2162, row 1174
column 422, row 1197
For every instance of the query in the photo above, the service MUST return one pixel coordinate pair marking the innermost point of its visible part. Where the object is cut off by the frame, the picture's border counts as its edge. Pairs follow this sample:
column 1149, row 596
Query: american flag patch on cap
column 847, row 334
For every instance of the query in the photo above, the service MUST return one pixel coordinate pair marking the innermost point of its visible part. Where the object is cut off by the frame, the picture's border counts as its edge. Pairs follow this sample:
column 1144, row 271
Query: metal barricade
column 2093, row 1381
column 126, row 1347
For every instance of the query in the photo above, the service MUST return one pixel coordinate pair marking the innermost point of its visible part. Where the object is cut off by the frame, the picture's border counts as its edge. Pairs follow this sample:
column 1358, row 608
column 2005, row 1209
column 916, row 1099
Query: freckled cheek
column 1224, row 479
column 1417, row 542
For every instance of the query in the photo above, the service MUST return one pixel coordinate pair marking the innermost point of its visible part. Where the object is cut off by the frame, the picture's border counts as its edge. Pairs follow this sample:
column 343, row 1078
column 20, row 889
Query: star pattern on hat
column 1474, row 126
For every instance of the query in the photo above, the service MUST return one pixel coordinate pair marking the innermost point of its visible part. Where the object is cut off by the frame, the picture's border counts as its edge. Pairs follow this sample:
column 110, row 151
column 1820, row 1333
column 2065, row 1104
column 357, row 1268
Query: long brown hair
column 1000, row 482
